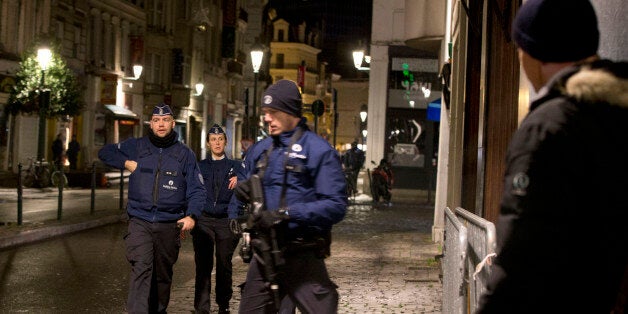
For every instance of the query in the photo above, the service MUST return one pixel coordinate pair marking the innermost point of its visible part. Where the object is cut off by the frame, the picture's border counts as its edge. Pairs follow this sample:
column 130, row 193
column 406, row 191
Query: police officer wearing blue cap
column 213, row 228
column 304, row 191
column 166, row 195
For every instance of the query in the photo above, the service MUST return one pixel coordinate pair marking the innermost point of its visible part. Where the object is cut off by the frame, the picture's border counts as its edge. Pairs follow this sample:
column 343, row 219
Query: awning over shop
column 433, row 110
column 122, row 113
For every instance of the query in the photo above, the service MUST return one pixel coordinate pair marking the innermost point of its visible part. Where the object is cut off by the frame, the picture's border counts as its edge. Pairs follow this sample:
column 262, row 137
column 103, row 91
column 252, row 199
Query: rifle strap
column 264, row 164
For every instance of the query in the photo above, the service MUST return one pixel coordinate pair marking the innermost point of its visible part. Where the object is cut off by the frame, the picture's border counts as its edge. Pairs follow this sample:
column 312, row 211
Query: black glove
column 268, row 219
column 243, row 191
column 235, row 226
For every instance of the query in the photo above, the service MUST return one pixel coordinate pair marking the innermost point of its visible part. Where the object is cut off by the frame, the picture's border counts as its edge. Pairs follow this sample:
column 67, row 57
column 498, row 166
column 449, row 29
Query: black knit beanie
column 285, row 96
column 557, row 30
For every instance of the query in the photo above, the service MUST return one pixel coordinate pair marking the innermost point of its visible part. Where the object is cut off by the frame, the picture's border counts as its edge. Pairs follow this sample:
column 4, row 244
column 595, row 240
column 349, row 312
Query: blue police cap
column 216, row 129
column 162, row 110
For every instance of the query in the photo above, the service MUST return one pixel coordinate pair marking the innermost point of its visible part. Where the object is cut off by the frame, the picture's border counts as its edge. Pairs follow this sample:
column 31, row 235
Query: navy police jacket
column 315, row 185
column 167, row 184
column 216, row 175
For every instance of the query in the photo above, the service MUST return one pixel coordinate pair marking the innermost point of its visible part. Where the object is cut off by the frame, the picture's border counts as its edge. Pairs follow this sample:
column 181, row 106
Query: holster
column 320, row 245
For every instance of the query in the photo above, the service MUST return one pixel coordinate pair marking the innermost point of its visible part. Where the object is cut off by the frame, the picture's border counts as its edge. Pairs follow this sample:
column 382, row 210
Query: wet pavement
column 383, row 260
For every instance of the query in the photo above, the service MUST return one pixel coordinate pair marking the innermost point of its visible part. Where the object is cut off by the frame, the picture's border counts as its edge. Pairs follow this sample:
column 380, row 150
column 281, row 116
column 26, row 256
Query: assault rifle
column 264, row 242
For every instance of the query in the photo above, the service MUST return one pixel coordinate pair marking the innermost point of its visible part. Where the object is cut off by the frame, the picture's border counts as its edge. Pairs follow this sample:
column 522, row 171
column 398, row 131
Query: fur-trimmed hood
column 601, row 81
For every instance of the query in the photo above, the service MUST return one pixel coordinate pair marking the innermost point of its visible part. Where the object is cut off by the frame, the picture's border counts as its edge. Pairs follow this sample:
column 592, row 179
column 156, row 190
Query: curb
column 29, row 236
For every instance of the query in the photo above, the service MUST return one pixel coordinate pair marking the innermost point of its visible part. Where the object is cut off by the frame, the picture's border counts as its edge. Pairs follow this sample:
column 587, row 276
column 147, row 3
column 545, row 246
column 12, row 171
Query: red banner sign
column 301, row 76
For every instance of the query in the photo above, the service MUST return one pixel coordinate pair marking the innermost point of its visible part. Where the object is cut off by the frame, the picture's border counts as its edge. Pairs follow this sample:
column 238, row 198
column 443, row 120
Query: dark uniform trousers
column 152, row 248
column 304, row 282
column 213, row 234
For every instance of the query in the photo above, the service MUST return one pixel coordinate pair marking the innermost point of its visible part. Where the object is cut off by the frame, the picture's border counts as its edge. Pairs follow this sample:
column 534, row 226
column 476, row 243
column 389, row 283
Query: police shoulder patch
column 520, row 183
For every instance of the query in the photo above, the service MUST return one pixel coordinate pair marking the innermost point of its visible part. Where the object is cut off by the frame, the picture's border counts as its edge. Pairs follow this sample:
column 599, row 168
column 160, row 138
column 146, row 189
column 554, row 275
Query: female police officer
column 212, row 231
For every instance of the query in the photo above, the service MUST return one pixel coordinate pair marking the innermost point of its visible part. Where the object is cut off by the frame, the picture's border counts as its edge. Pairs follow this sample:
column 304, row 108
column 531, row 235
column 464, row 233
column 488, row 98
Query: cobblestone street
column 382, row 260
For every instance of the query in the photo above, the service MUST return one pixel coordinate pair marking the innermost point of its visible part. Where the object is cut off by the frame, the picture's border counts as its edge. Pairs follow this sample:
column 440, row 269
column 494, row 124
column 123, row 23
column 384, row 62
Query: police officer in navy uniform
column 166, row 195
column 304, row 191
column 212, row 231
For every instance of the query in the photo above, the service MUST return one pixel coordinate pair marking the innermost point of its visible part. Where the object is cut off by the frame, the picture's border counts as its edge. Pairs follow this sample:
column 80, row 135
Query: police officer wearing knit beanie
column 212, row 234
column 304, row 195
column 562, row 245
column 166, row 195
column 282, row 106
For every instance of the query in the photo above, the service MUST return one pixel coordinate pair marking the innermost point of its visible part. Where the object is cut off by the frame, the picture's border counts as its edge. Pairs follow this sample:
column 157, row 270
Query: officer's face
column 216, row 143
column 279, row 121
column 162, row 125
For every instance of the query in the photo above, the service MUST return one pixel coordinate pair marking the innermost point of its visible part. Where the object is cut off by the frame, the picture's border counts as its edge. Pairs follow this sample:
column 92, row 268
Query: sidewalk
column 37, row 229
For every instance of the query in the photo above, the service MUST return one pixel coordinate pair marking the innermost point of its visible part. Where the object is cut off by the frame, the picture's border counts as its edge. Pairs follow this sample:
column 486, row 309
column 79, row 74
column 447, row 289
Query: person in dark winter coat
column 212, row 231
column 562, row 241
column 58, row 150
column 353, row 161
column 73, row 150
column 166, row 196
column 304, row 190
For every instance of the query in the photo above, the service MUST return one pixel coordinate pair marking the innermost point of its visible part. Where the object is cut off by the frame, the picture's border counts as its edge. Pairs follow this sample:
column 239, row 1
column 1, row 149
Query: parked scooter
column 381, row 182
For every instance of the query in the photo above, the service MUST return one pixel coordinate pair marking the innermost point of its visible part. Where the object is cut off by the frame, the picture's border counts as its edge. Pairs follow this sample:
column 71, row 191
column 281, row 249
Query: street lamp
column 199, row 87
column 358, row 58
column 363, row 114
column 137, row 72
column 44, row 56
column 257, row 55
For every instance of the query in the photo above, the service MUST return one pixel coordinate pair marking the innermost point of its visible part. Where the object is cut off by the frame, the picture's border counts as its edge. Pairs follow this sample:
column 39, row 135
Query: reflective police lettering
column 170, row 173
column 295, row 155
column 170, row 186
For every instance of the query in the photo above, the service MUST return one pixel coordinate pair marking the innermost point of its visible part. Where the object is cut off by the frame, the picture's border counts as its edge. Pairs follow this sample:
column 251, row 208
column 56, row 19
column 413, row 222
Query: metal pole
column 335, row 104
column 255, row 117
column 60, row 185
column 93, row 196
column 19, row 194
column 122, row 189
column 42, row 119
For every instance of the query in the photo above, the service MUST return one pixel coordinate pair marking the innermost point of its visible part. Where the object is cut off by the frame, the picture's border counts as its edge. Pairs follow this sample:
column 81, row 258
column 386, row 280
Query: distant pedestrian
column 213, row 233
column 166, row 196
column 562, row 242
column 58, row 150
column 353, row 161
column 73, row 150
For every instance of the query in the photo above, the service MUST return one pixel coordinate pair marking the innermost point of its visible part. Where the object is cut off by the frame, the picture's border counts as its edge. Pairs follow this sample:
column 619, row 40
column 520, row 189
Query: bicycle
column 56, row 176
column 37, row 174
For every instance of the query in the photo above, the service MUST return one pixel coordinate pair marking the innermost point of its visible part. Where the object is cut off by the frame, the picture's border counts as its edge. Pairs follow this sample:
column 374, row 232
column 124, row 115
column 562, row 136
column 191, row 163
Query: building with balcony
column 177, row 45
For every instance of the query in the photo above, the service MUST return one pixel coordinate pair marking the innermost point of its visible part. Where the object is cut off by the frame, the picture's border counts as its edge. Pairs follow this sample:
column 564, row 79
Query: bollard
column 93, row 197
column 122, row 189
column 19, row 194
column 60, row 184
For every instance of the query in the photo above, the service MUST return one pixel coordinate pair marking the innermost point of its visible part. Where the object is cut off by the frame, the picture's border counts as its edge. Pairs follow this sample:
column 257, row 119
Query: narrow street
column 382, row 260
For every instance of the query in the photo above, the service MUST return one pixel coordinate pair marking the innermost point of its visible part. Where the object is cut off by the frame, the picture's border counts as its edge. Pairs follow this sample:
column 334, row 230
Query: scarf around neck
column 163, row 142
